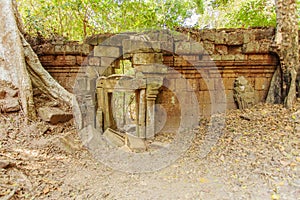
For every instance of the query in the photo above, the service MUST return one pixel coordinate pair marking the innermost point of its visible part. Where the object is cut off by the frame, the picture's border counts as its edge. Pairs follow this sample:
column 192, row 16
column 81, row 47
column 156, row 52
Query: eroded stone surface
column 115, row 138
column 243, row 93
column 235, row 52
column 54, row 115
column 10, row 105
column 125, row 141
column 68, row 143
column 135, row 143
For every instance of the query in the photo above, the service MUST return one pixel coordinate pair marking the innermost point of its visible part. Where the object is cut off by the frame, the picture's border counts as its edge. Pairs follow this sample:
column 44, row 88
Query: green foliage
column 252, row 13
column 218, row 3
column 76, row 19
column 199, row 6
column 238, row 13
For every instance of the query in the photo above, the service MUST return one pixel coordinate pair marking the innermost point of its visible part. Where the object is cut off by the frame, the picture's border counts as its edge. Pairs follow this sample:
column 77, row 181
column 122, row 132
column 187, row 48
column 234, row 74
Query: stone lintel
column 107, row 51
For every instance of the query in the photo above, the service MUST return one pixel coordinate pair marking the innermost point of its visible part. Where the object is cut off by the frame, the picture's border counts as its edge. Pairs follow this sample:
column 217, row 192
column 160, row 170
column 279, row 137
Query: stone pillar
column 90, row 108
column 141, row 114
column 150, row 131
column 152, row 92
column 154, row 75
column 81, row 90
column 100, row 109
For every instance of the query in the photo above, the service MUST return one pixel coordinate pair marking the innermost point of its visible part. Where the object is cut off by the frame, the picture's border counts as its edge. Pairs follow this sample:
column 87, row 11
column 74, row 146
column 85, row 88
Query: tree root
column 46, row 83
column 41, row 78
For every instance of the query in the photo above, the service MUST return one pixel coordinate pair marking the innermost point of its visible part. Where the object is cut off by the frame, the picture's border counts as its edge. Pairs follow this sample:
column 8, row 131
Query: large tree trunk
column 12, row 62
column 20, row 65
column 287, row 48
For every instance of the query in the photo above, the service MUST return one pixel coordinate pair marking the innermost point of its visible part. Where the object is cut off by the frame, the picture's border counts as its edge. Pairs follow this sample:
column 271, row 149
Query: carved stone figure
column 243, row 93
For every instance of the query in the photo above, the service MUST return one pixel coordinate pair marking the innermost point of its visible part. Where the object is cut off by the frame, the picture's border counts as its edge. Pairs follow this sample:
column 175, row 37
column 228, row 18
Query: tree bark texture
column 21, row 66
column 12, row 62
column 286, row 45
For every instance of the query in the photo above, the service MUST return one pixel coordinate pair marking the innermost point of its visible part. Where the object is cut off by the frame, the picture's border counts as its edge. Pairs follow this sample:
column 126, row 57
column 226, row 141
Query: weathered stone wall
column 235, row 52
column 63, row 60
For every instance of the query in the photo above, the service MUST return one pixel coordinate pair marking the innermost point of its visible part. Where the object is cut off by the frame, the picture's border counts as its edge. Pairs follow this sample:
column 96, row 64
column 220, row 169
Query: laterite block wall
column 227, row 53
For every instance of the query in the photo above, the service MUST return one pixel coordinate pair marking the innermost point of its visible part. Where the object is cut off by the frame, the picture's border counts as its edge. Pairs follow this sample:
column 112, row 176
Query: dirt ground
column 256, row 157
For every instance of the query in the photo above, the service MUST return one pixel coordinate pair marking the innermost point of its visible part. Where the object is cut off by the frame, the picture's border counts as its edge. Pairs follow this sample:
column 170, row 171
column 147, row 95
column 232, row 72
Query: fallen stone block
column 135, row 143
column 125, row 148
column 12, row 105
column 115, row 138
column 68, row 143
column 119, row 139
column 158, row 145
column 91, row 137
column 54, row 115
column 9, row 105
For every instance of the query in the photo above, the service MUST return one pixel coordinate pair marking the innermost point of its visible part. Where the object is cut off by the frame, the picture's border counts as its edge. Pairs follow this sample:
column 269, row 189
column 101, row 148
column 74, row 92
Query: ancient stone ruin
column 169, row 76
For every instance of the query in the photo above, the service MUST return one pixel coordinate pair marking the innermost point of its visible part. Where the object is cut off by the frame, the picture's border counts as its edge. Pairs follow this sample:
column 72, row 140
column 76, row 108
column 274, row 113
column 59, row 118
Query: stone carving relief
column 243, row 93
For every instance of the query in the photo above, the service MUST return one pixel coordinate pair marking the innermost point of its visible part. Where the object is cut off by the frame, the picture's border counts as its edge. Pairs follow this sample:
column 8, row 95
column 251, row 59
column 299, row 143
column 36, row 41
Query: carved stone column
column 100, row 109
column 141, row 124
column 152, row 92
column 154, row 75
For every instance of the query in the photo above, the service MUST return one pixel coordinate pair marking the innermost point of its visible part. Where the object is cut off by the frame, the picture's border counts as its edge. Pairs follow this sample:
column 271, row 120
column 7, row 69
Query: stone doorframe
column 145, row 84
